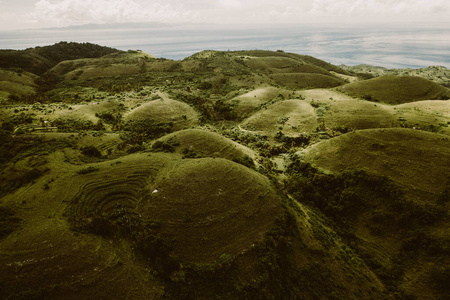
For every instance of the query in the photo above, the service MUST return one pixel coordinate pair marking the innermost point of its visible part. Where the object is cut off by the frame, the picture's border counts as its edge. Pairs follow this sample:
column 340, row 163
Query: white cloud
column 370, row 8
column 230, row 3
column 69, row 12
column 48, row 13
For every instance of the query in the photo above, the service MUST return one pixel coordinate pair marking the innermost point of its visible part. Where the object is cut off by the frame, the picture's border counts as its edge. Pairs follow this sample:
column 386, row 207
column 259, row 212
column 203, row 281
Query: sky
column 29, row 14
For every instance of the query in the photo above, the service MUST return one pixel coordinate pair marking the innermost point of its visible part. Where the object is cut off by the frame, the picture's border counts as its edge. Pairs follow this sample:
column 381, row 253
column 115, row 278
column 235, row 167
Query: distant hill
column 40, row 59
column 437, row 74
column 397, row 89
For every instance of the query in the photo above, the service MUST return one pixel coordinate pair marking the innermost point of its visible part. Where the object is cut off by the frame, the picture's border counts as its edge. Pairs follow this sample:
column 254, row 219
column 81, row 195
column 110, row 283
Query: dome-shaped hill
column 211, row 207
column 118, row 63
column 180, row 114
column 397, row 89
column 400, row 154
column 305, row 59
column 298, row 117
column 81, row 112
column 278, row 64
column 354, row 114
column 272, row 62
column 206, row 143
column 208, row 206
column 145, row 224
column 306, row 80
column 246, row 104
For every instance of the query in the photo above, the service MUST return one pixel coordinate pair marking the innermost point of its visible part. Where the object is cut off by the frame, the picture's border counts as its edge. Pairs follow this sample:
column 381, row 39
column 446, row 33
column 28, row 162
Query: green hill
column 291, row 117
column 397, row 89
column 392, row 210
column 179, row 114
column 40, row 59
column 157, row 226
column 225, row 175
column 202, row 143
column 400, row 154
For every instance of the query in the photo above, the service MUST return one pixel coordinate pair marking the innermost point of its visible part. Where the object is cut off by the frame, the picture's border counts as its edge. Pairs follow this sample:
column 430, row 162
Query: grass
column 179, row 218
column 246, row 104
column 306, row 80
column 370, row 212
column 395, row 153
column 203, row 203
column 299, row 114
column 207, row 144
column 397, row 89
column 165, row 110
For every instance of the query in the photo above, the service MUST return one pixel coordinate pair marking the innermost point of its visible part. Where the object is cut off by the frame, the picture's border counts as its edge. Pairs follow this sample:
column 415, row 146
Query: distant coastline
column 402, row 46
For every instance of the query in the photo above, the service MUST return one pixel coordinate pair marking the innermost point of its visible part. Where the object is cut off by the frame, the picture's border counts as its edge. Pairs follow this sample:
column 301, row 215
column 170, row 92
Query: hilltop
column 225, row 175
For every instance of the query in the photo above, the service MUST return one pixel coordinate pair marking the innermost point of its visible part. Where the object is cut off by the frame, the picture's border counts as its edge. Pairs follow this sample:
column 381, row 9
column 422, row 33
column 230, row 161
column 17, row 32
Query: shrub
column 91, row 151
column 245, row 161
column 8, row 222
column 165, row 146
column 87, row 170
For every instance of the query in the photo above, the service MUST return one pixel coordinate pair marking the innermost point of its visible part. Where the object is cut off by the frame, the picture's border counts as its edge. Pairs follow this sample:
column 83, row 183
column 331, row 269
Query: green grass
column 187, row 216
column 300, row 115
column 207, row 144
column 165, row 110
column 306, row 80
column 397, row 89
column 201, row 204
column 400, row 154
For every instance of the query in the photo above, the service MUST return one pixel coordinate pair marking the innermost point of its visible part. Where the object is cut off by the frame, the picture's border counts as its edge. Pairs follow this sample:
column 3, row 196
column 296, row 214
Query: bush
column 245, row 161
column 91, row 151
column 87, row 170
column 441, row 277
column 8, row 222
column 165, row 146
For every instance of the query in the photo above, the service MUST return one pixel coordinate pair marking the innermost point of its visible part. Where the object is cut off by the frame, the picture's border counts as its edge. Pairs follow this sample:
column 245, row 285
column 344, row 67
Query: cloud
column 365, row 8
column 70, row 12
column 74, row 12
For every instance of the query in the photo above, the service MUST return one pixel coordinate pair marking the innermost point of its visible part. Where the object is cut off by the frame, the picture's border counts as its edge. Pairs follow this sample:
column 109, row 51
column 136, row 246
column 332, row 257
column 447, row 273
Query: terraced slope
column 201, row 203
column 397, row 89
column 212, row 207
column 109, row 227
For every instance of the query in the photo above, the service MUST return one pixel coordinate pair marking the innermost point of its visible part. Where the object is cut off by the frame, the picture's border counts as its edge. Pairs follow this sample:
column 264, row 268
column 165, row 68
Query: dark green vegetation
column 227, row 175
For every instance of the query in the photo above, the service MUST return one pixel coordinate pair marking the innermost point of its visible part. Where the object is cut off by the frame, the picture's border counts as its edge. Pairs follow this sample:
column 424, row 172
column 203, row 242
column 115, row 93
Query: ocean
column 394, row 46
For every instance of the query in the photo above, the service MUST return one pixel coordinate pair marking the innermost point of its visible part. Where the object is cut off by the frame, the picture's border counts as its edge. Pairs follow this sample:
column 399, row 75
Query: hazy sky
column 17, row 14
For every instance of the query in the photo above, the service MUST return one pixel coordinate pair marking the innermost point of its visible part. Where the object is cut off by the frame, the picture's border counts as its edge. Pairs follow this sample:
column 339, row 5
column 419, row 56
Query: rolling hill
column 397, row 89
column 225, row 175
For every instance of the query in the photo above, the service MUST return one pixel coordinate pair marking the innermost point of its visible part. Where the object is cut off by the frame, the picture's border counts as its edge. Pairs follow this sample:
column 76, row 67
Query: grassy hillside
column 392, row 210
column 40, row 59
column 226, row 175
column 202, row 143
column 397, row 89
column 179, row 114
column 306, row 80
column 400, row 154
column 291, row 117
column 437, row 74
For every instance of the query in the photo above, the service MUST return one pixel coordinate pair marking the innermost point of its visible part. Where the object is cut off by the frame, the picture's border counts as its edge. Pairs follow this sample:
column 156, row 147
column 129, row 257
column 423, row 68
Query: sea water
column 393, row 46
